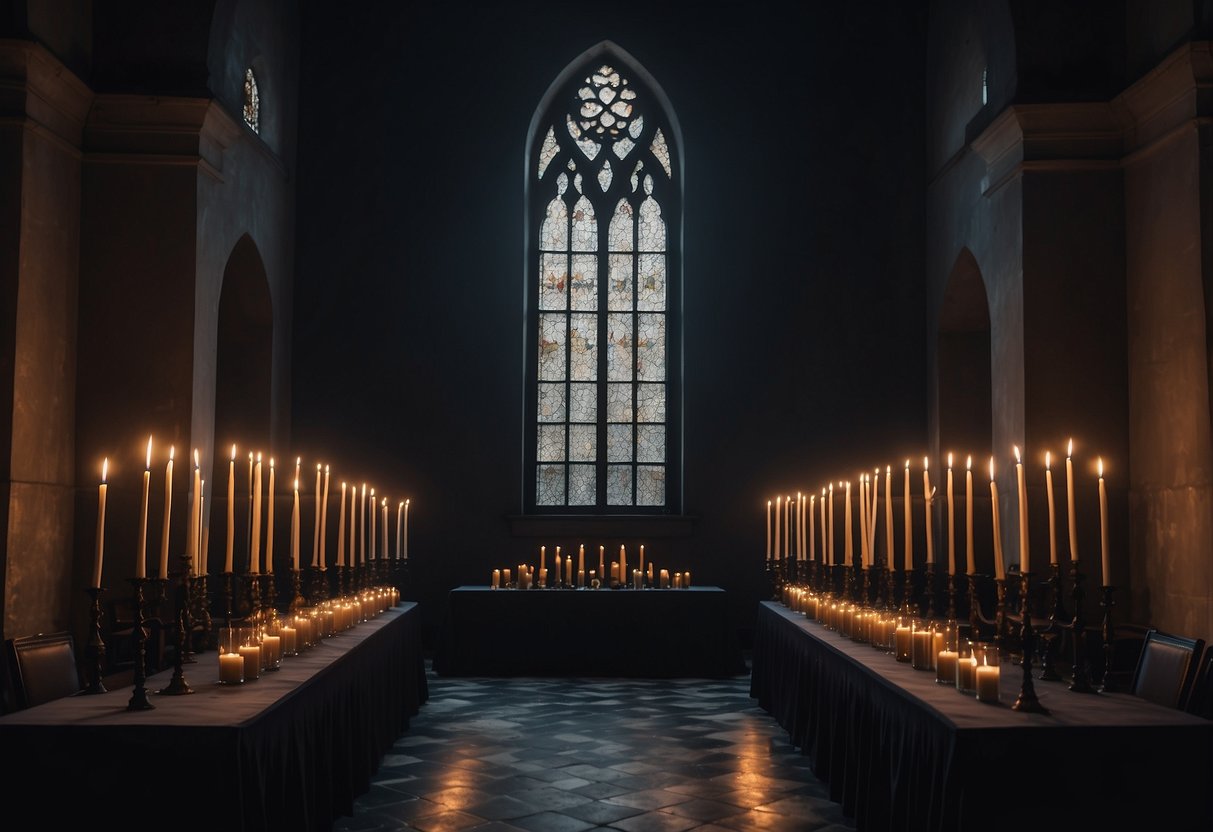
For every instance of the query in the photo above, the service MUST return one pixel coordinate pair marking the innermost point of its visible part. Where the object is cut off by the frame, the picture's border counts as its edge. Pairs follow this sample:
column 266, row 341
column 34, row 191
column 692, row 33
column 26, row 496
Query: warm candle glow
column 149, row 454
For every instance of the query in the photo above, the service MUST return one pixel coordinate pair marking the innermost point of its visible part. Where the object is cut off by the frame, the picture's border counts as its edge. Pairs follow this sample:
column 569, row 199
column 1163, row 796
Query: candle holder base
column 139, row 700
column 974, row 609
column 908, row 607
column 177, row 685
column 1027, row 701
column 96, row 645
column 1108, row 683
column 1000, row 615
column 1081, row 674
column 929, row 589
column 1050, row 639
column 951, row 598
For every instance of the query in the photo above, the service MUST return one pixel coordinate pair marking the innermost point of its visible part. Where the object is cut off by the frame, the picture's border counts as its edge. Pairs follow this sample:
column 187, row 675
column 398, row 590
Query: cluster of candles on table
column 563, row 576
column 245, row 652
column 369, row 559
column 796, row 526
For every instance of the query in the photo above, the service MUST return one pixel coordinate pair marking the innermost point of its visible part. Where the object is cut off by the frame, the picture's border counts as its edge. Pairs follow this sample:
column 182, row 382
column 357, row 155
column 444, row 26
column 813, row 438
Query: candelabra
column 178, row 686
column 866, row 585
column 848, row 582
column 776, row 567
column 229, row 580
column 1000, row 614
column 202, row 607
column 96, row 645
column 908, row 607
column 402, row 574
column 139, row 700
column 297, row 599
column 974, row 608
column 891, row 587
column 1108, row 685
column 951, row 596
column 268, row 603
column 1081, row 680
column 318, row 585
column 929, row 589
column 1027, row 700
column 254, row 596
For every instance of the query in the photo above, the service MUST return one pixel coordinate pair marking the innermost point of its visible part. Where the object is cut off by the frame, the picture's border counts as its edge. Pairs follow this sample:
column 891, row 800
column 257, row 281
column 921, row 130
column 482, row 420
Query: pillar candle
column 641, row 564
column 909, row 523
column 1052, row 511
column 559, row 567
column 255, row 541
column 945, row 667
column 986, row 682
column 102, row 489
column 601, row 555
column 324, row 518
column 1024, row 554
column 295, row 528
column 1070, row 511
column 168, row 511
column 928, row 498
column 341, row 529
column 1103, row 528
column 496, row 579
column 999, row 569
column 543, row 557
column 969, row 558
column 141, row 554
column 568, row 571
column 231, row 512
column 623, row 563
column 269, row 524
column 581, row 557
column 951, row 523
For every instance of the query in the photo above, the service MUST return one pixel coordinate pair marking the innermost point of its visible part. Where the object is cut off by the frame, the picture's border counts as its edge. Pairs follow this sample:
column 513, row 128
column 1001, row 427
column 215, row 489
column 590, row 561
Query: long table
column 605, row 632
column 900, row 751
column 289, row 750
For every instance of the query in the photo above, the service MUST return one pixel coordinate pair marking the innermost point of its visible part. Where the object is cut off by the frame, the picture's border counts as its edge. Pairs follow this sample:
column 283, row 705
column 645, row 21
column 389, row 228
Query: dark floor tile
column 655, row 822
column 601, row 812
column 446, row 822
column 552, row 822
column 702, row 810
column 649, row 799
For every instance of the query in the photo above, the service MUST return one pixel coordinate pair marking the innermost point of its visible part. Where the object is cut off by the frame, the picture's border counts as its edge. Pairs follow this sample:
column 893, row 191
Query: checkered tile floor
column 564, row 755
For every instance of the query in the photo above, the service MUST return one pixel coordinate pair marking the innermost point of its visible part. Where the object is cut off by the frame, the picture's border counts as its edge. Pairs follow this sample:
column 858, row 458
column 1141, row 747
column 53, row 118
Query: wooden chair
column 1166, row 668
column 42, row 668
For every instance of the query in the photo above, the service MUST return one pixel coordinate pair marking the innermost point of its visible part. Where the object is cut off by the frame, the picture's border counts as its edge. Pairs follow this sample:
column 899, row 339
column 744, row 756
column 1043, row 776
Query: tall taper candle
column 831, row 558
column 295, row 529
column 316, row 522
column 1052, row 510
column 863, row 519
column 1071, row 513
column 362, row 527
column 406, row 529
column 341, row 529
column 1000, row 571
column 191, row 537
column 141, row 555
column 951, row 523
column 970, row 560
column 374, row 537
column 848, row 545
column 386, row 551
column 909, row 523
column 928, row 498
column 101, row 492
column 812, row 538
column 1024, row 552
column 399, row 521
column 768, row 529
column 778, row 523
column 231, row 512
column 352, row 560
column 888, row 516
column 269, row 523
column 824, row 541
column 1103, row 528
column 324, row 519
column 203, row 527
column 255, row 536
column 168, row 512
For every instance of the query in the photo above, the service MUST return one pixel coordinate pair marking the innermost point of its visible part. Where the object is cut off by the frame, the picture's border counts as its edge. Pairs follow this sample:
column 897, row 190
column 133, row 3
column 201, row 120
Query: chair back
column 1166, row 668
column 43, row 668
column 1200, row 698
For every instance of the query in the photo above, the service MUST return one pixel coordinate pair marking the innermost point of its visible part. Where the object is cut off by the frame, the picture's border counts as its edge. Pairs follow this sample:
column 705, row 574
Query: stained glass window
column 252, row 101
column 602, row 373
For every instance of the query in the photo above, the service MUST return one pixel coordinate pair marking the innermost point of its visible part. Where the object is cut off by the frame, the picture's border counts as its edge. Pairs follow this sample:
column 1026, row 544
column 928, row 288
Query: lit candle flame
column 149, row 453
column 1048, row 459
column 969, row 463
column 1070, row 448
column 888, row 470
column 1016, row 447
column 326, row 469
column 105, row 464
column 991, row 469
column 949, row 460
column 1100, row 464
column 406, row 502
column 402, row 502
column 234, row 453
column 925, row 463
column 196, row 464
column 258, row 456
column 907, row 464
column 171, row 450
column 296, row 484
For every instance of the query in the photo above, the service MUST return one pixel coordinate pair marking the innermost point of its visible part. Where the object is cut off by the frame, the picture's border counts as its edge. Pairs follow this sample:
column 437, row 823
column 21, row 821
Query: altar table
column 900, row 751
column 656, row 633
column 290, row 750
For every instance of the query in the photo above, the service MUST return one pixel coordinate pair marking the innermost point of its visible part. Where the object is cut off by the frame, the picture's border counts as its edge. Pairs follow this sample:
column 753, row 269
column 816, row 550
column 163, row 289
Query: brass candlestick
column 1027, row 700
column 1081, row 679
column 1108, row 685
column 96, row 645
column 139, row 700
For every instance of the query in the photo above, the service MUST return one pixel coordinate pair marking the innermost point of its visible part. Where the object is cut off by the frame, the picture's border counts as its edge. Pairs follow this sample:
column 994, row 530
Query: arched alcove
column 244, row 349
column 963, row 360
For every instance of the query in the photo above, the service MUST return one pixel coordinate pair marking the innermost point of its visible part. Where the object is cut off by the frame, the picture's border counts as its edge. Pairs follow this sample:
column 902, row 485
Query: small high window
column 252, row 101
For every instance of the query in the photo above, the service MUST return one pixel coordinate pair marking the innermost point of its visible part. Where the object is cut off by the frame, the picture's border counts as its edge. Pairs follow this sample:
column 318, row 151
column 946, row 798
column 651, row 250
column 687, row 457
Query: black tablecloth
column 290, row 750
column 659, row 633
column 901, row 752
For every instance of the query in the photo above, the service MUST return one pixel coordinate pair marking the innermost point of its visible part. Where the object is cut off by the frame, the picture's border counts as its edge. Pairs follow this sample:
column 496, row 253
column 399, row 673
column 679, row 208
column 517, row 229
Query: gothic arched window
column 252, row 101
column 603, row 293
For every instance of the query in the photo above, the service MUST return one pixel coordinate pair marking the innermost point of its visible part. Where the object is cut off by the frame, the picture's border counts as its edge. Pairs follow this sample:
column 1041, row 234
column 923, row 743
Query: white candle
column 927, row 499
column 231, row 668
column 168, row 511
column 141, row 555
column 374, row 536
column 848, row 545
column 824, row 547
column 986, row 682
column 295, row 529
column 829, row 557
column 768, row 530
column 101, row 492
column 888, row 515
column 874, row 492
column 951, row 523
column 383, row 508
column 778, row 523
column 316, row 522
column 1103, row 528
column 623, row 562
column 341, row 529
column 231, row 512
column 999, row 569
column 909, row 523
column 191, row 537
column 812, row 536
column 969, row 557
column 1024, row 554
column 352, row 560
column 863, row 520
column 1071, row 513
column 200, row 563
column 1052, row 510
column 581, row 557
column 601, row 563
column 324, row 519
column 406, row 530
column 255, row 535
column 399, row 526
column 945, row 666
column 269, row 524
column 251, row 653
column 641, row 559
